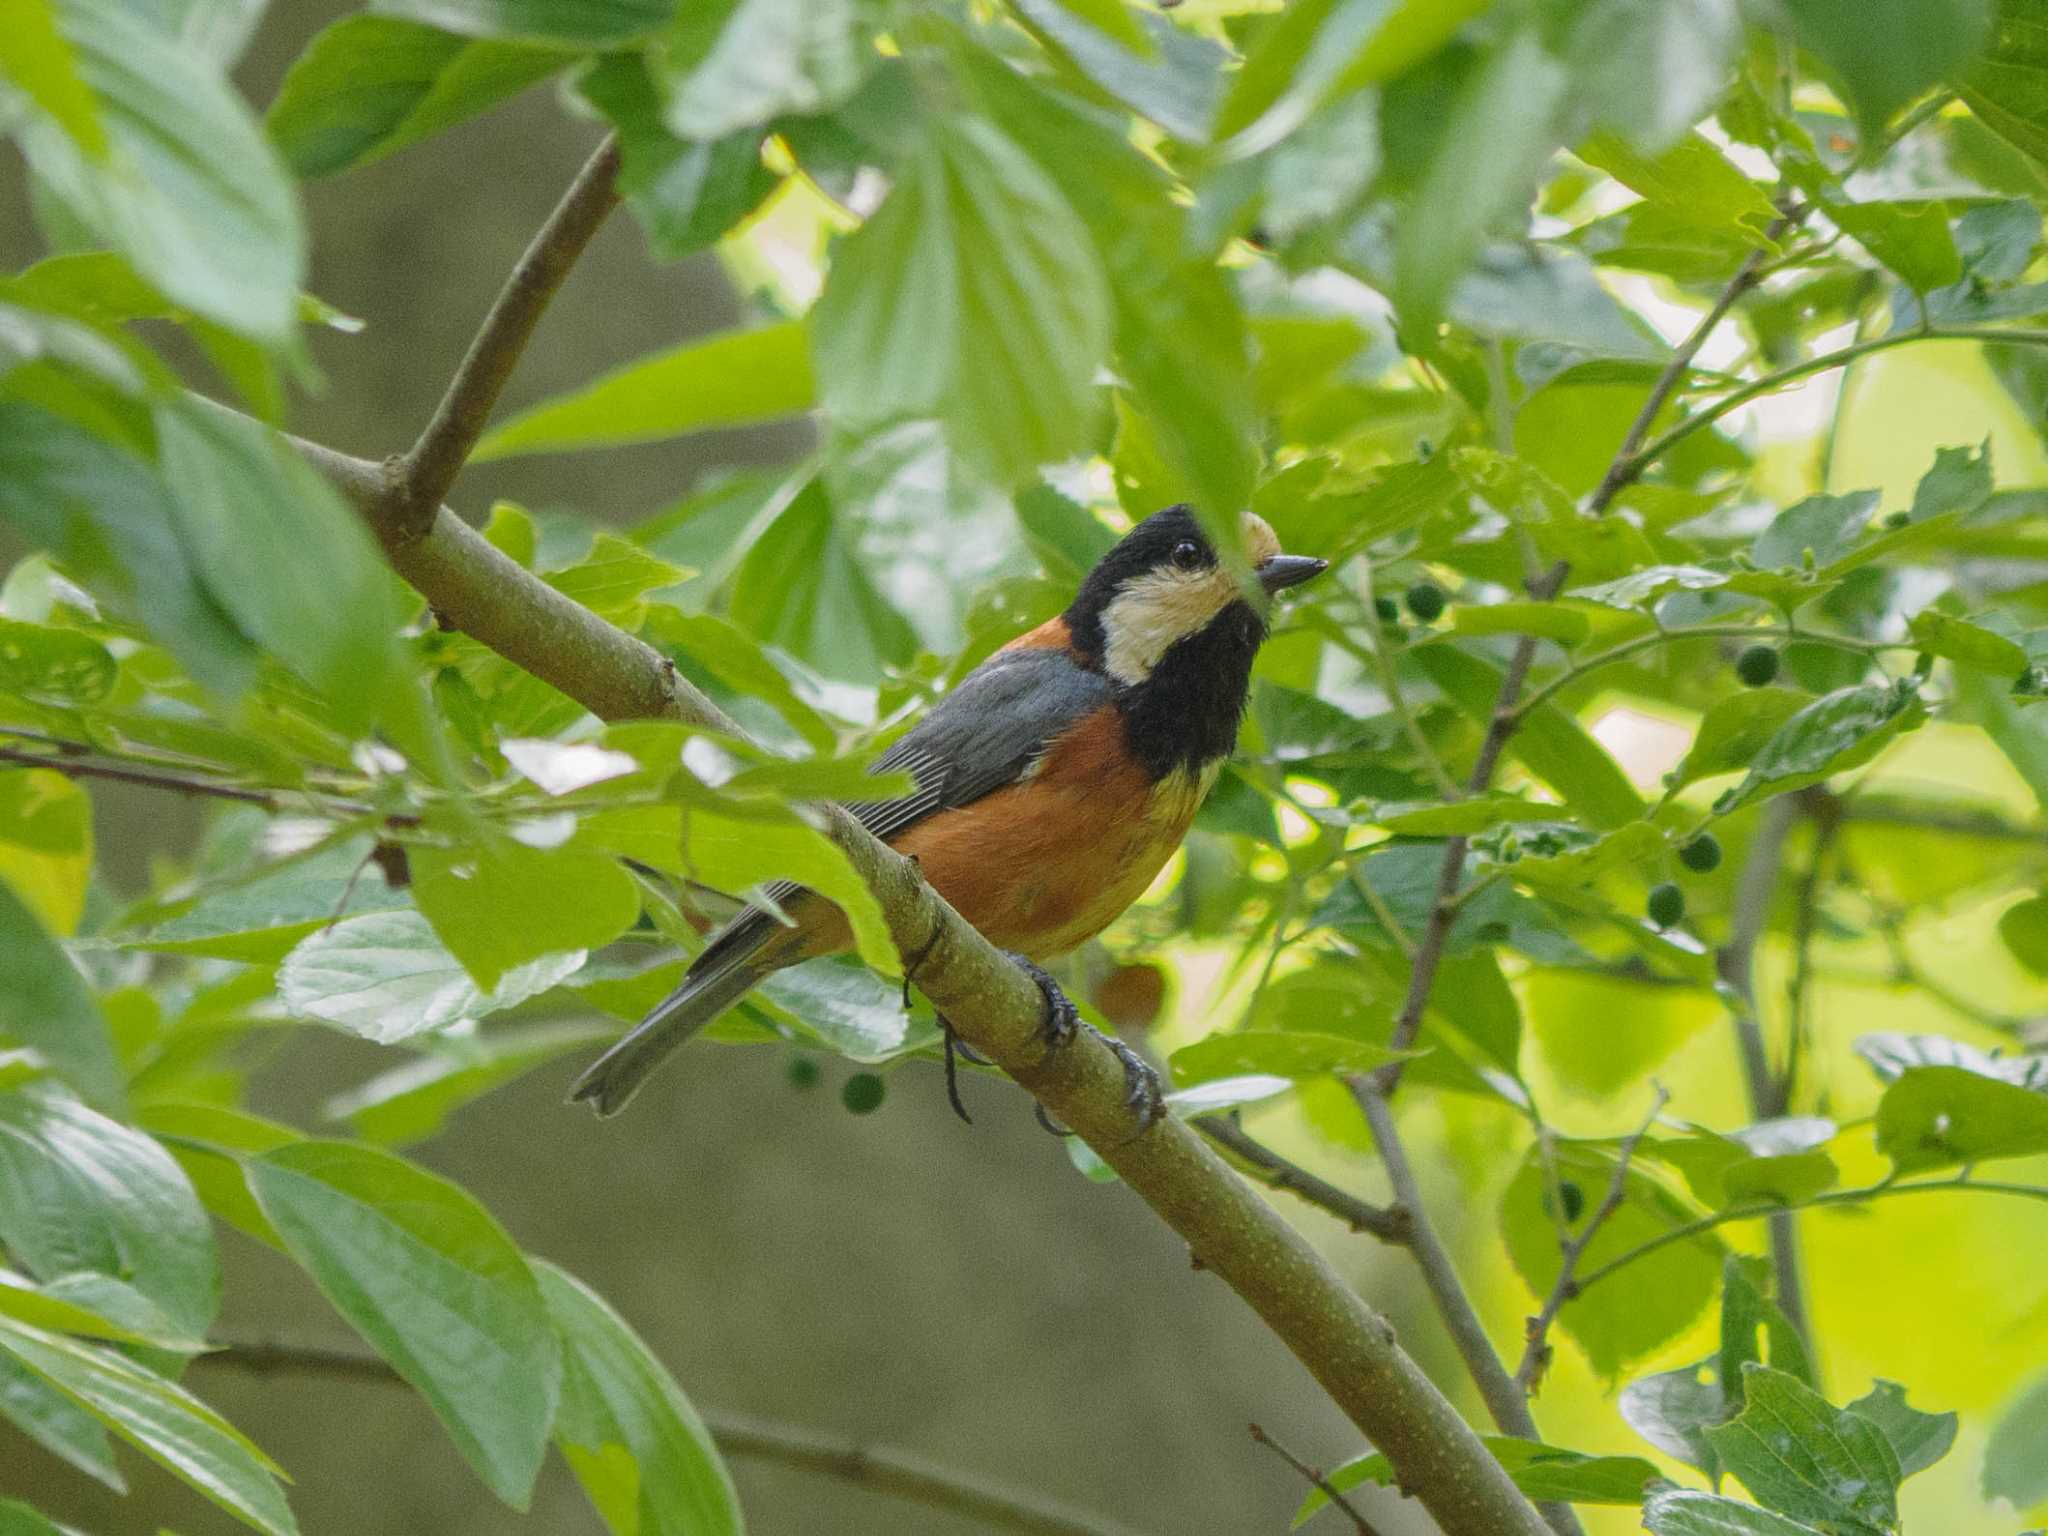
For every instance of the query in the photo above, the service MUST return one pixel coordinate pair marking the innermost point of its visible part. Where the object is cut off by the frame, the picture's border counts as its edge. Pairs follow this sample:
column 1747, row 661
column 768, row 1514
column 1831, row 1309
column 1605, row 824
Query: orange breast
column 1046, row 864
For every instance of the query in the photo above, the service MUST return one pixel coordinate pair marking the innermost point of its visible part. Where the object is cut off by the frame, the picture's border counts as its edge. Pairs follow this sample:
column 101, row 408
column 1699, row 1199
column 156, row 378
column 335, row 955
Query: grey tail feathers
column 719, row 978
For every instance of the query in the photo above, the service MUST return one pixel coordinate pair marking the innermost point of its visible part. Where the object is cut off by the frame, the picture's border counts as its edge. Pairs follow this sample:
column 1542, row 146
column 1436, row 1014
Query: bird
column 1052, row 784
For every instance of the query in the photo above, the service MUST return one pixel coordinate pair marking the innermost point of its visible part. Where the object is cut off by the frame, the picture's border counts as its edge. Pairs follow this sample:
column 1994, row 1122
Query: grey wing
column 981, row 736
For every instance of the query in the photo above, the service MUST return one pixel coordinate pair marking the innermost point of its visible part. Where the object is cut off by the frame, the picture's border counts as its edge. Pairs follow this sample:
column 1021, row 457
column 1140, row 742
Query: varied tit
column 1052, row 784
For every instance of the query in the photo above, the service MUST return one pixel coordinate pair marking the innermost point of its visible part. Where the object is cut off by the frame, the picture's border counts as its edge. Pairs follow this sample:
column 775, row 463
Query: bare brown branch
column 1388, row 1224
column 428, row 469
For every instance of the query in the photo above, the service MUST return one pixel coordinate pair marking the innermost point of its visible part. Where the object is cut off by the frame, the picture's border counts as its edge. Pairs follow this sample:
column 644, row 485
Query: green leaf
column 280, row 551
column 1913, row 239
column 1971, row 644
column 1805, row 1458
column 1568, row 626
column 1918, row 1439
column 1686, row 1512
column 2016, row 1458
column 581, row 22
column 424, row 1274
column 1886, row 52
column 1113, row 19
column 1319, row 49
column 1692, row 179
column 733, row 64
column 209, row 1143
column 636, row 1445
column 737, row 854
column 57, row 1423
column 2024, row 927
column 110, row 516
column 1933, row 1117
column 686, row 192
column 2007, row 87
column 1820, row 529
column 1549, row 742
column 1674, row 1409
column 17, row 1519
column 1734, row 730
column 1296, row 1054
column 258, row 920
column 188, row 189
column 1179, row 334
column 46, row 1007
column 1495, row 137
column 386, row 977
column 1461, row 818
column 1173, row 79
column 848, row 1008
column 160, row 1419
column 1541, row 1471
column 35, row 56
column 58, row 664
column 729, row 380
column 82, row 1192
column 972, row 296
column 412, row 1102
column 1843, row 730
column 1640, row 1306
column 369, row 85
column 499, row 904
column 92, row 1306
column 1751, row 1323
column 804, row 587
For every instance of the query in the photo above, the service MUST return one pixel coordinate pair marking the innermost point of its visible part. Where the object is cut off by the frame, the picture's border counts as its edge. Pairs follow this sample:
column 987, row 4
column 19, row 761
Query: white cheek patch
column 1145, row 619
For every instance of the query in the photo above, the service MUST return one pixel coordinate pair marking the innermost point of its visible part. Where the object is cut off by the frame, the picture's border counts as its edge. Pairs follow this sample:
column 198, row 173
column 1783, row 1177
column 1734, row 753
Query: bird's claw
column 1061, row 1020
column 1144, row 1094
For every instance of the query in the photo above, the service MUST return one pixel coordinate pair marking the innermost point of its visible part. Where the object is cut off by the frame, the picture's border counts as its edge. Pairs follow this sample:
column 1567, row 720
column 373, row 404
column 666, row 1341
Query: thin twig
column 1707, row 415
column 1337, row 1500
column 1389, row 1225
column 113, row 770
column 1752, row 633
column 886, row 1471
column 426, row 471
column 1737, row 966
column 1536, row 1353
column 1390, row 685
column 1618, row 475
column 1881, row 1191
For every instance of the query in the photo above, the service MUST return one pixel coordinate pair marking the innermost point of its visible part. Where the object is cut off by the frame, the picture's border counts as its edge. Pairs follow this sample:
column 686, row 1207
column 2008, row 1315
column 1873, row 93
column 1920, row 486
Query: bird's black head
column 1163, row 618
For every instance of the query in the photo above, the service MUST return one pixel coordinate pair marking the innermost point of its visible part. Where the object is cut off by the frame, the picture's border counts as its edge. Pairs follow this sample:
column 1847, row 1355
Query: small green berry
column 863, row 1093
column 1388, row 611
column 1574, row 1200
column 802, row 1072
column 1898, row 519
column 1702, row 854
column 1666, row 905
column 1426, row 601
column 1757, row 666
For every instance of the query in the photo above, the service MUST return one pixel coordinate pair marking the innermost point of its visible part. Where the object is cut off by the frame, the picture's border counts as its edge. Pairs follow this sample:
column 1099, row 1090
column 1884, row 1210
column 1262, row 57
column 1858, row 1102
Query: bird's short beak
column 1284, row 571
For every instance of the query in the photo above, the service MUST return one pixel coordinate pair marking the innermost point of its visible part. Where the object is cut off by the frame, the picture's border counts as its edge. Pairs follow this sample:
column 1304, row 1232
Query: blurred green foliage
column 1417, row 279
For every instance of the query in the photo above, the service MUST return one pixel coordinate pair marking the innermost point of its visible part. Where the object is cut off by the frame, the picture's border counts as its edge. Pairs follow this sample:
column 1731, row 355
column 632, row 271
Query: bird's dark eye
column 1187, row 554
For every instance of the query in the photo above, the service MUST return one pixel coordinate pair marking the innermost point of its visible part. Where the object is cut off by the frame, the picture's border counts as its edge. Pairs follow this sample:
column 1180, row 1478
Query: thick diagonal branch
column 1348, row 1346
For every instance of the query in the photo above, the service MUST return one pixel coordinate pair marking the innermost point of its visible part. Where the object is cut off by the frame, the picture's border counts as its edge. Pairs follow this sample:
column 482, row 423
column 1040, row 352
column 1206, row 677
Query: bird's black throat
column 1185, row 714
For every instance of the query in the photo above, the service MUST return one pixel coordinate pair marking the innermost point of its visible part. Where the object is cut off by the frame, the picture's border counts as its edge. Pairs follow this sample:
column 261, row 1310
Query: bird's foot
column 1061, row 1020
column 956, row 1048
column 1144, row 1093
